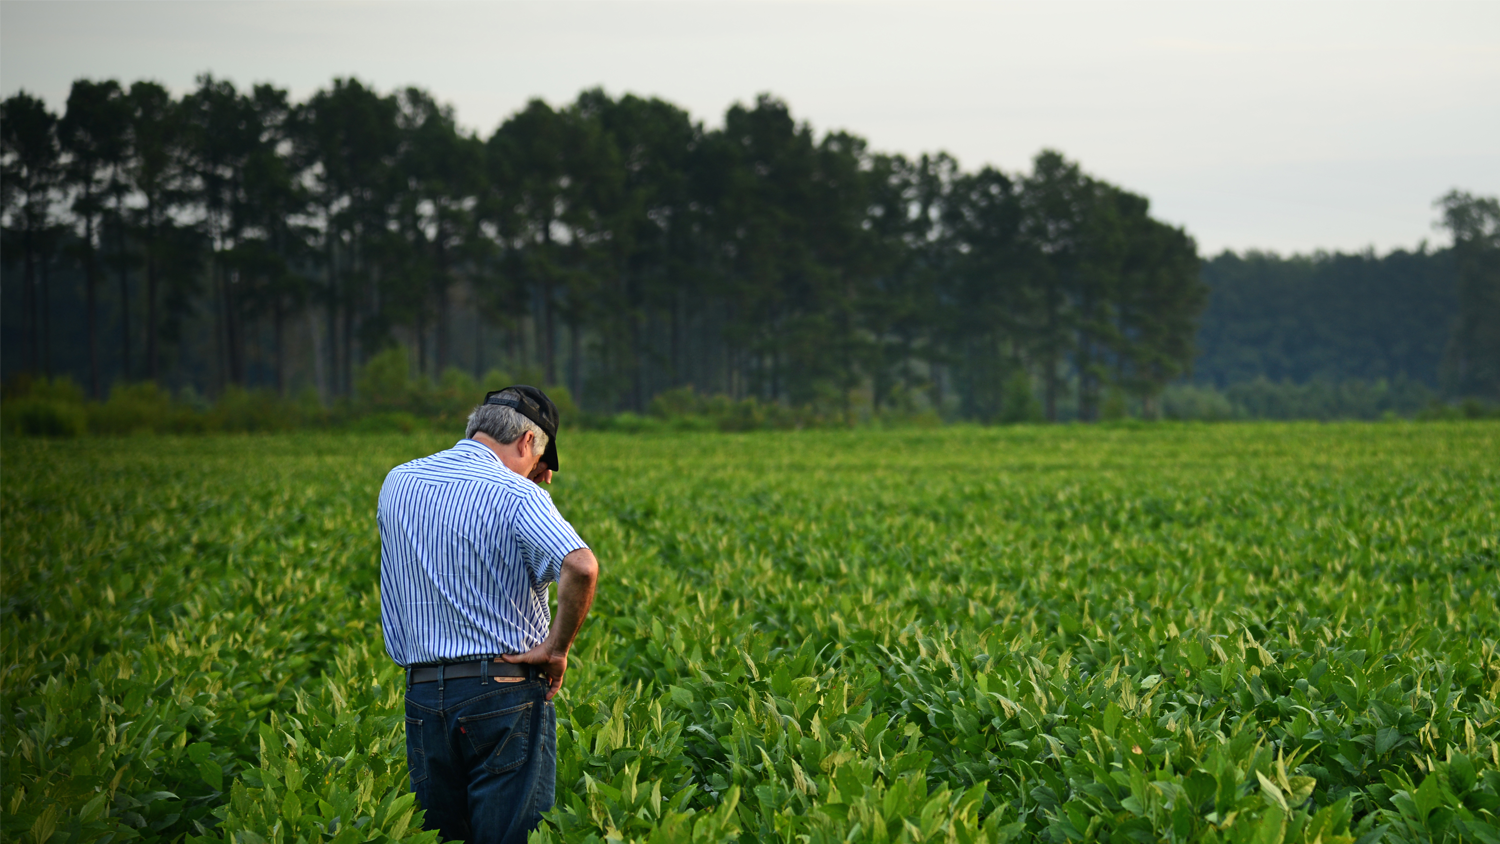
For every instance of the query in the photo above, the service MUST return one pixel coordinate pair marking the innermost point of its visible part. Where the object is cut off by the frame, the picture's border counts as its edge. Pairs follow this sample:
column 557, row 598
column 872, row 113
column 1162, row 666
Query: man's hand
column 554, row 666
column 541, row 474
column 575, row 594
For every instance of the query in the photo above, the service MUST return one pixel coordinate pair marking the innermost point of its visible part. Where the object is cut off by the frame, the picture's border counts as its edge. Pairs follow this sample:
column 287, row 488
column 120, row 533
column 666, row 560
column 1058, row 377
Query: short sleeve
column 544, row 537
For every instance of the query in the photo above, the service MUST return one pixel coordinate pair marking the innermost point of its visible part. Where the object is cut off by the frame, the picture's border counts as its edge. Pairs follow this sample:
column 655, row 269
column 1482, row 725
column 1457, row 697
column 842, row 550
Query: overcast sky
column 1287, row 126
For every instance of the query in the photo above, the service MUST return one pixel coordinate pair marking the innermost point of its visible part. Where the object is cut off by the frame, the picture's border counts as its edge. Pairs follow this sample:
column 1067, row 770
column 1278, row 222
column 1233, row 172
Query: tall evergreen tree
column 1159, row 297
column 441, row 173
column 531, row 182
column 641, row 250
column 349, row 137
column 157, row 138
column 95, row 137
column 221, row 135
column 273, row 247
column 1058, row 202
column 1473, row 358
column 992, row 308
column 30, row 160
column 790, row 215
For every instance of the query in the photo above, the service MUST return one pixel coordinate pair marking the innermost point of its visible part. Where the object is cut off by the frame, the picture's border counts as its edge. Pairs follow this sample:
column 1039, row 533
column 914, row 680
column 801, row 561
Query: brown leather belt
column 461, row 670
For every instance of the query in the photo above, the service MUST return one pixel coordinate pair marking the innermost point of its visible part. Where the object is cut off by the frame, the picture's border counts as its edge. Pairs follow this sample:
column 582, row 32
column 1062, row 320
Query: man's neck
column 509, row 453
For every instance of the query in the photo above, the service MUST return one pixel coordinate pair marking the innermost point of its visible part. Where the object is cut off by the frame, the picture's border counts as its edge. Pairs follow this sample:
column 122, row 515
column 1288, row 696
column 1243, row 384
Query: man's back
column 467, row 550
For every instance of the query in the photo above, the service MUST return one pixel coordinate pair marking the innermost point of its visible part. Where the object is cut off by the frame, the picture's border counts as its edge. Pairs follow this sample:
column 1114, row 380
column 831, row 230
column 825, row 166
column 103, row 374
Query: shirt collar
column 476, row 448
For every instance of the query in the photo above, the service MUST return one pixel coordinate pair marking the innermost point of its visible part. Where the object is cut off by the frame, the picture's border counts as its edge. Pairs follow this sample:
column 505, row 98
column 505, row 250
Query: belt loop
column 484, row 670
column 408, row 679
column 441, row 682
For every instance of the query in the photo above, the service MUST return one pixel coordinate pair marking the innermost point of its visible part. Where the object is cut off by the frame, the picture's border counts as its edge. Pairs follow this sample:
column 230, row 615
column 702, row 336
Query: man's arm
column 575, row 594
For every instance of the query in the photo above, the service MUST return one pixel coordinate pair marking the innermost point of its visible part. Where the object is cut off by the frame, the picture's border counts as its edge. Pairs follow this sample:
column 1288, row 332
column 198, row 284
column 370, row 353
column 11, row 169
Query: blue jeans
column 483, row 757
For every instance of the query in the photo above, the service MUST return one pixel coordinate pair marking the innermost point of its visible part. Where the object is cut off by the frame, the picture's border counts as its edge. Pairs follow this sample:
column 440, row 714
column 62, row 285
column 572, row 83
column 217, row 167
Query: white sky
column 1290, row 126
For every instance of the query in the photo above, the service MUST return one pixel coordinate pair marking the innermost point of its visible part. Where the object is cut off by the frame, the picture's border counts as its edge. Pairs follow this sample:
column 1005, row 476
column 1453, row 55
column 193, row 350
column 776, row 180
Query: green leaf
column 94, row 809
column 1272, row 793
column 1301, row 788
column 1272, row 826
column 291, row 806
column 1429, row 796
column 1200, row 788
column 1112, row 715
column 1348, row 694
column 1460, row 773
column 1385, row 739
column 212, row 773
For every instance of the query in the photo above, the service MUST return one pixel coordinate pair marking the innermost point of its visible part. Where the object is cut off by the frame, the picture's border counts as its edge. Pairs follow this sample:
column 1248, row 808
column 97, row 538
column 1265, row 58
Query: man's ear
column 528, row 439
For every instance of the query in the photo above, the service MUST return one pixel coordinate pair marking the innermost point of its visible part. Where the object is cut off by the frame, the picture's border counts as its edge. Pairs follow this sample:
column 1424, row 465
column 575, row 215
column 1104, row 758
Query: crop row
column 1247, row 633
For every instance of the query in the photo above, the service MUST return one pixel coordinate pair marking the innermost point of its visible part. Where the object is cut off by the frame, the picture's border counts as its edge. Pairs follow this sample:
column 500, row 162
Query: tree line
column 1429, row 316
column 612, row 245
column 1328, row 317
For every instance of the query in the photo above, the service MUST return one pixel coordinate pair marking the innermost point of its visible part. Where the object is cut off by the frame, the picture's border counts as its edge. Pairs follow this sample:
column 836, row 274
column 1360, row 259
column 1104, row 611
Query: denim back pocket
column 416, row 755
column 501, row 738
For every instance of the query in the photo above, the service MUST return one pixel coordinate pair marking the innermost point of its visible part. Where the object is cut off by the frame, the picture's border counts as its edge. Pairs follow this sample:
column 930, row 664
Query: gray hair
column 504, row 423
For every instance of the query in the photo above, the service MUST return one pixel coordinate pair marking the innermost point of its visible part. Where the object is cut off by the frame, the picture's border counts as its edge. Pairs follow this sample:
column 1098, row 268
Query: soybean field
column 1252, row 633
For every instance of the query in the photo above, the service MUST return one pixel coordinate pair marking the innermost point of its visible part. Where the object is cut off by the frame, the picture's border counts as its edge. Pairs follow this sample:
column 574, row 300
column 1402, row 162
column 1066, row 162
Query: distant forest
column 1334, row 317
column 617, row 248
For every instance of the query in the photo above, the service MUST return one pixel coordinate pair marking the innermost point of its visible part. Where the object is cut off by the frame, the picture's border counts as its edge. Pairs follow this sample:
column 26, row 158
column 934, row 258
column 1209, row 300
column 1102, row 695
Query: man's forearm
column 575, row 594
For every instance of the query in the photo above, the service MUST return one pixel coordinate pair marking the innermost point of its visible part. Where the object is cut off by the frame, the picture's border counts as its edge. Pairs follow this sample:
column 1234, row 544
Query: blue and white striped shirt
column 467, row 548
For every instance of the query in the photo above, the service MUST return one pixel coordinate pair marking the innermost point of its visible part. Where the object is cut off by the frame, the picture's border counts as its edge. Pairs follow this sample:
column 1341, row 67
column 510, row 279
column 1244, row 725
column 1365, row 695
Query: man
column 469, row 541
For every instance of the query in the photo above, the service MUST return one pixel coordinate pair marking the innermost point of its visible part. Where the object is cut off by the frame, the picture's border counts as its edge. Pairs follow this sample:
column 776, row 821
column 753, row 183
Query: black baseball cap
column 534, row 405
